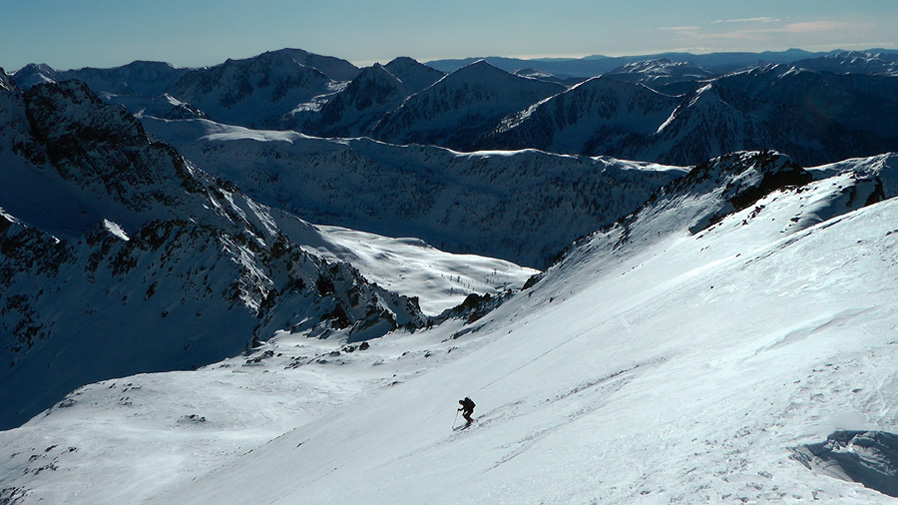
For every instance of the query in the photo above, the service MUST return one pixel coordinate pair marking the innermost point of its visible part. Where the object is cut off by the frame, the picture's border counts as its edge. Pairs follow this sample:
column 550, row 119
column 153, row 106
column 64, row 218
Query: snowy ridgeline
column 696, row 352
column 677, row 109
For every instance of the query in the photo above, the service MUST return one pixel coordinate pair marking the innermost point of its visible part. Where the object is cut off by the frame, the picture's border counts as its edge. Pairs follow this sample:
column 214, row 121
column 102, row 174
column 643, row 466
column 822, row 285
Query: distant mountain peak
column 483, row 67
column 35, row 73
column 413, row 74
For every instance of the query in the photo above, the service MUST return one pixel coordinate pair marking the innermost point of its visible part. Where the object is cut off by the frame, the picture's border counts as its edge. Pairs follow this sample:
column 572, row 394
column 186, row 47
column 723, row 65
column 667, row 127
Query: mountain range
column 718, row 63
column 817, row 117
column 712, row 104
column 220, row 284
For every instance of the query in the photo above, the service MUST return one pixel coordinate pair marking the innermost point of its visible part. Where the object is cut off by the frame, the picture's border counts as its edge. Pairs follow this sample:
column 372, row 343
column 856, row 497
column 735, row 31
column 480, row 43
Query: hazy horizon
column 107, row 33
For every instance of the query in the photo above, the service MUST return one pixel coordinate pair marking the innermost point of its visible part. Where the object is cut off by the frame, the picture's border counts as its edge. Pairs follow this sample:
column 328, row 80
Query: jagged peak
column 377, row 72
column 405, row 61
column 404, row 64
column 484, row 73
column 33, row 74
column 37, row 67
column 413, row 74
column 481, row 69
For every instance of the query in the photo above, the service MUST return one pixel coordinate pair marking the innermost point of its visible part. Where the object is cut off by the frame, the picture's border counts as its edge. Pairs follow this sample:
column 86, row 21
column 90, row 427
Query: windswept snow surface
column 669, row 368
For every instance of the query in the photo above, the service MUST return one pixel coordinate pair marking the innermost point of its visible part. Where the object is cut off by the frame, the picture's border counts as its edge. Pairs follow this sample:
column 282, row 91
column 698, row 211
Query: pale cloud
column 680, row 28
column 695, row 33
column 813, row 26
column 748, row 20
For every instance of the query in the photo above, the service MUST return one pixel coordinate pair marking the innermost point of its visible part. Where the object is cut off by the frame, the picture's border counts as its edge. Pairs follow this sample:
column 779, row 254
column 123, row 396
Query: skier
column 467, row 408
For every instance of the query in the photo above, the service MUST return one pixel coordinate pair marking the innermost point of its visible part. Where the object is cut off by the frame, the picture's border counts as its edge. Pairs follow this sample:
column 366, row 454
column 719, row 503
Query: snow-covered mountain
column 269, row 90
column 520, row 206
column 592, row 66
column 119, row 256
column 375, row 92
column 816, row 117
column 533, row 73
column 461, row 107
column 274, row 89
column 139, row 86
column 707, row 124
column 416, row 76
column 35, row 73
column 601, row 115
column 669, row 358
column 337, row 69
column 657, row 73
column 144, row 78
column 819, row 117
column 854, row 62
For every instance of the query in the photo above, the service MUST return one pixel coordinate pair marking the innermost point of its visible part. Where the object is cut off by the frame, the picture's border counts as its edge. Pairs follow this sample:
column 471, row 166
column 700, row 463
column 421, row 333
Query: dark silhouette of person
column 467, row 408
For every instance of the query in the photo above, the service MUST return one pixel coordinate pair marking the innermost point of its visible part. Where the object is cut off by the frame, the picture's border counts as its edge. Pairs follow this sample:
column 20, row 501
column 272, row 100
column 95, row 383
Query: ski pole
column 456, row 419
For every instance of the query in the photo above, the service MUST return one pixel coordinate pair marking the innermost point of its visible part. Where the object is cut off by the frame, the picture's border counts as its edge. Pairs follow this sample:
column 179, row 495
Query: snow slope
column 673, row 366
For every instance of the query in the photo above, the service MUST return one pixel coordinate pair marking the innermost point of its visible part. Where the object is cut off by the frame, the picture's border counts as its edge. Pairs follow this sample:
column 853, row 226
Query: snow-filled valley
column 179, row 333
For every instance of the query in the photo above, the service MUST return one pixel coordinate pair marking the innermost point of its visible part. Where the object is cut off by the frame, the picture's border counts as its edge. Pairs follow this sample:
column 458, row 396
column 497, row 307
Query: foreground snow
column 682, row 370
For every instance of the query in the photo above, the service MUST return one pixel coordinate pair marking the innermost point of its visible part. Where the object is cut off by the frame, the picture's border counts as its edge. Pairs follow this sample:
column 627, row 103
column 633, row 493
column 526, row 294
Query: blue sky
column 105, row 33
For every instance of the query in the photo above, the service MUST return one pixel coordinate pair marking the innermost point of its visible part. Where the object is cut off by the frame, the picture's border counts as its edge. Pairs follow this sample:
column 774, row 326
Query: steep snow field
column 669, row 368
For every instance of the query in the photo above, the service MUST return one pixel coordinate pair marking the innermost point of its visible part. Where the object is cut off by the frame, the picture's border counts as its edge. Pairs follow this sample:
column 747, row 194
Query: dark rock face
column 867, row 457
